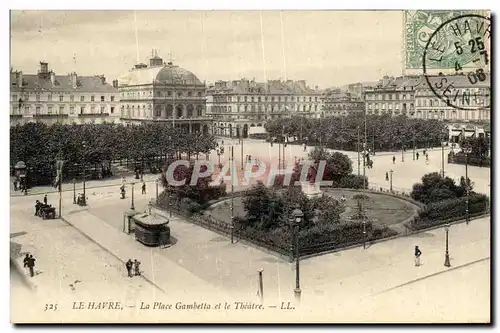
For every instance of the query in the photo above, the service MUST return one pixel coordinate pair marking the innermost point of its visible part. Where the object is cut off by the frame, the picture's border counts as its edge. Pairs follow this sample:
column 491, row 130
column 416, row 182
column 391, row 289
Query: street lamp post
column 132, row 207
column 391, row 171
column 414, row 147
column 170, row 204
column 442, row 159
column 74, row 191
column 157, row 181
column 467, row 151
column 402, row 153
column 297, row 217
column 231, row 159
column 364, row 232
column 447, row 255
column 84, row 199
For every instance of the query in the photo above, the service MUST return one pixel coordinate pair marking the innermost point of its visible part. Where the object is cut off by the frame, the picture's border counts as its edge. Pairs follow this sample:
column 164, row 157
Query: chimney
column 53, row 78
column 44, row 67
column 115, row 84
column 19, row 78
column 103, row 79
column 74, row 81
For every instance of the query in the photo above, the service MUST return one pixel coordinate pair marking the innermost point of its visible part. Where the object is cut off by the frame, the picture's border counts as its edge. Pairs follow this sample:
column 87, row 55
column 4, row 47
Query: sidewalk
column 168, row 276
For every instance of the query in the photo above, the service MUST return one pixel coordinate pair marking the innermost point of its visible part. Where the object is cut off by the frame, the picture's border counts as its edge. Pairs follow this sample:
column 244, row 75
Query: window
column 37, row 110
column 72, row 110
column 112, row 98
column 82, row 98
column 49, row 97
column 258, row 98
column 190, row 93
column 112, row 109
column 169, row 93
column 72, row 98
column 14, row 98
column 102, row 109
column 199, row 94
column 15, row 110
column 102, row 98
column 92, row 109
column 61, row 98
column 50, row 110
column 92, row 98
column 82, row 109
column 246, row 99
column 61, row 110
column 252, row 99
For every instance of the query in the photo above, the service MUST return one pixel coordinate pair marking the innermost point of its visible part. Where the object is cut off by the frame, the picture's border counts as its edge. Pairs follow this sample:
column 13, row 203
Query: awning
column 469, row 134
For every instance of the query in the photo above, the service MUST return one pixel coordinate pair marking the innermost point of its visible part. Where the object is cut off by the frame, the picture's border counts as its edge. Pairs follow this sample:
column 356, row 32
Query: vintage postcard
column 250, row 166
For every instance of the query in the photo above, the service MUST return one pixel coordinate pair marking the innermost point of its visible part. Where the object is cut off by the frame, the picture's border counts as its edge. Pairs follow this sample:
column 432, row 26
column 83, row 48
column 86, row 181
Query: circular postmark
column 460, row 45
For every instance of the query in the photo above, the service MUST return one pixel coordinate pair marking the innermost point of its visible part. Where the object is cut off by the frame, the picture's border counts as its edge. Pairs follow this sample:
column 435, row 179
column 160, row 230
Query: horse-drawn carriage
column 47, row 212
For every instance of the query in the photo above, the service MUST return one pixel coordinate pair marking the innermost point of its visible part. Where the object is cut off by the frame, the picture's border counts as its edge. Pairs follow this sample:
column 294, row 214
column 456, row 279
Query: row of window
column 460, row 101
column 222, row 99
column 389, row 106
column 26, row 97
column 158, row 93
column 480, row 91
column 442, row 114
column 264, row 108
column 61, row 110
column 395, row 96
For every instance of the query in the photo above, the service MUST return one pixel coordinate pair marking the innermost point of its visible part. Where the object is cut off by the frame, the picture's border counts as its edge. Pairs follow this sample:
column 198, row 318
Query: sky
column 325, row 48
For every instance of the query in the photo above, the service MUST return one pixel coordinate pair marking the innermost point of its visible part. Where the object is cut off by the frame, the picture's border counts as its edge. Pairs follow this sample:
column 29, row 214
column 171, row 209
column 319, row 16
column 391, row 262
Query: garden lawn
column 382, row 208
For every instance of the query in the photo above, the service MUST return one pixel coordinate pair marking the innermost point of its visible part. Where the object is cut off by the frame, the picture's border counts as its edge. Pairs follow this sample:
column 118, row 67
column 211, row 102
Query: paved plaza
column 351, row 285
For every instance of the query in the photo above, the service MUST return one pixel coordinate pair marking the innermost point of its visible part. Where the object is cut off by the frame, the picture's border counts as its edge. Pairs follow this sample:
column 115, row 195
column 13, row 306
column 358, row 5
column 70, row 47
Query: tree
column 436, row 188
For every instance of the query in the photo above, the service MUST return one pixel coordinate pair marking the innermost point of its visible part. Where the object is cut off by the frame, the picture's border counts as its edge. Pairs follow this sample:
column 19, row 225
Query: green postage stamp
column 421, row 25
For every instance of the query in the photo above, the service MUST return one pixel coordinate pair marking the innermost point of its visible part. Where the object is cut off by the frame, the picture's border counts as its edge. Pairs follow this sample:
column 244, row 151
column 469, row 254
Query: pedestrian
column 37, row 207
column 45, row 199
column 394, row 160
column 31, row 265
column 418, row 155
column 305, row 147
column 26, row 261
column 136, row 267
column 386, row 176
column 418, row 253
column 15, row 184
column 143, row 188
column 123, row 179
column 424, row 152
column 128, row 265
column 426, row 157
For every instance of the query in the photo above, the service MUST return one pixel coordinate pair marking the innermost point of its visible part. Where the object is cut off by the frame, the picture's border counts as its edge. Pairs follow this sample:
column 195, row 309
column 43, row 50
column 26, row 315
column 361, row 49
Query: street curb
column 109, row 251
column 431, row 275
column 444, row 224
column 70, row 190
column 22, row 272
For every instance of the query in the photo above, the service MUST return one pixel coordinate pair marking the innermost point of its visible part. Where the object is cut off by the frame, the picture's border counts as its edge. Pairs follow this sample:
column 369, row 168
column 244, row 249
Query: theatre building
column 163, row 92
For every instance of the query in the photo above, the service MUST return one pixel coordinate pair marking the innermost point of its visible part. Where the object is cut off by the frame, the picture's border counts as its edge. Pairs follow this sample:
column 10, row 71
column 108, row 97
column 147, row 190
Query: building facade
column 337, row 102
column 243, row 106
column 393, row 96
column 67, row 99
column 163, row 92
column 468, row 102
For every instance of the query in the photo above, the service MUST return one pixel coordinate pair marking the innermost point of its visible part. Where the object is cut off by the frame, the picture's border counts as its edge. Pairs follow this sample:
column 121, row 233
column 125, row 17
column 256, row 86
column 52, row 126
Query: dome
column 167, row 73
column 175, row 75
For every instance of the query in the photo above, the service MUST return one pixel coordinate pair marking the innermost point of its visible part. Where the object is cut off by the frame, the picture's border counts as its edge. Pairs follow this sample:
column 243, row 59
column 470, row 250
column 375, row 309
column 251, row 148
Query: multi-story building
column 337, row 102
column 67, row 99
column 163, row 92
column 467, row 102
column 393, row 96
column 239, row 105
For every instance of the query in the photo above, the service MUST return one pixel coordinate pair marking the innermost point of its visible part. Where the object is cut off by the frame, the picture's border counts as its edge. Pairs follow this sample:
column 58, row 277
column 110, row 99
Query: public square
column 379, row 283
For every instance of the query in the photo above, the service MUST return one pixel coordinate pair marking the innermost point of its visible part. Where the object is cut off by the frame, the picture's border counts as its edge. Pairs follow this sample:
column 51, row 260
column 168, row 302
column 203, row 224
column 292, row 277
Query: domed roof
column 167, row 73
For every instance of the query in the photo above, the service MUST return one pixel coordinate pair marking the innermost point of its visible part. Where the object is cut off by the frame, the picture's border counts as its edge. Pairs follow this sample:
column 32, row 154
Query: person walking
column 128, row 265
column 418, row 253
column 15, row 184
column 45, row 199
column 31, row 265
column 37, row 207
column 386, row 176
column 417, row 155
column 143, row 188
column 137, row 270
column 394, row 160
column 26, row 261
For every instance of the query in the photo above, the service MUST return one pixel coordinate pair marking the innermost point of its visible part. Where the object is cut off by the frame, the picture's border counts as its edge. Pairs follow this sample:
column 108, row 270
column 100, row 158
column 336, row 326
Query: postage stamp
column 419, row 26
column 461, row 46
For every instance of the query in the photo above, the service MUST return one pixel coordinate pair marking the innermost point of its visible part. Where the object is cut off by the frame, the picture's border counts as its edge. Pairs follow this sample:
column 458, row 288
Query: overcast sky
column 326, row 48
